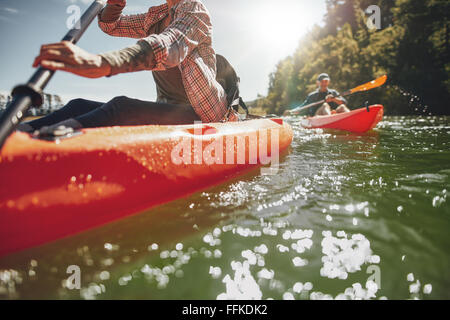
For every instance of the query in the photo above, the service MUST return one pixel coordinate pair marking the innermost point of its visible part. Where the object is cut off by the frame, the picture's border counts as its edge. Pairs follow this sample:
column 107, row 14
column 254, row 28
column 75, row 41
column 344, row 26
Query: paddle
column 364, row 87
column 30, row 94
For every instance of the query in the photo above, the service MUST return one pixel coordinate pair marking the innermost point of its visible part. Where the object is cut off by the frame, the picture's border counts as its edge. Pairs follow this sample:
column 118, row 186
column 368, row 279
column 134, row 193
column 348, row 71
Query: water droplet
column 308, row 286
column 298, row 287
column 415, row 287
column 410, row 277
column 299, row 262
column 288, row 296
column 427, row 289
column 104, row 275
column 164, row 254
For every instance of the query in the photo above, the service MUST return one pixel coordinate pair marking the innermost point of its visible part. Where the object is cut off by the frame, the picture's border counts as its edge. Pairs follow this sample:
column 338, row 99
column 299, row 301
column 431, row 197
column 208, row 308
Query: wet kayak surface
column 347, row 216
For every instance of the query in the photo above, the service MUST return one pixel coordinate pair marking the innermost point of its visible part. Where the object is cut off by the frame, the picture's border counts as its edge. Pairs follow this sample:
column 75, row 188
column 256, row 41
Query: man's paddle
column 364, row 87
column 30, row 94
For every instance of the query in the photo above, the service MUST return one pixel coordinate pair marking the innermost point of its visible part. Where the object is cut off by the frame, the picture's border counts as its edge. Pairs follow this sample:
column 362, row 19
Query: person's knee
column 325, row 109
column 120, row 100
column 116, row 109
column 342, row 108
column 74, row 107
column 117, row 104
column 78, row 102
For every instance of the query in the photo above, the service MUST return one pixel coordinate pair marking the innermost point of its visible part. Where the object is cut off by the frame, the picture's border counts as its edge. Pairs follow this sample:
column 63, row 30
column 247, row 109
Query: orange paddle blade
column 370, row 85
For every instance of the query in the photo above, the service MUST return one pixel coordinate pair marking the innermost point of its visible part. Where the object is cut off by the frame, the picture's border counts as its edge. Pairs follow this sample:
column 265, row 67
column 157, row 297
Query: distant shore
column 51, row 103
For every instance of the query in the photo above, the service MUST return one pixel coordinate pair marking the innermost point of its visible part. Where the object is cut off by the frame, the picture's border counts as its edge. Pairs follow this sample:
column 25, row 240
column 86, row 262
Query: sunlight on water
column 346, row 217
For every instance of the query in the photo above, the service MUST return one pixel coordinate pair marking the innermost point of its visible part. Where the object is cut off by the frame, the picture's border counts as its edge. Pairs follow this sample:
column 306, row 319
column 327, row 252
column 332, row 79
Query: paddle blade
column 370, row 85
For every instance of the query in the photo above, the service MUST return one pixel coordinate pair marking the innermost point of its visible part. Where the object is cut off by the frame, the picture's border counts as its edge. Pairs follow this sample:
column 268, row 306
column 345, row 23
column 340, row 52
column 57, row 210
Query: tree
column 411, row 47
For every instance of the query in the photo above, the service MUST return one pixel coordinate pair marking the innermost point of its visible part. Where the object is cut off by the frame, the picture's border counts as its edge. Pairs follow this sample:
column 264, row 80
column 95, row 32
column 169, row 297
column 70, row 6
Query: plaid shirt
column 186, row 43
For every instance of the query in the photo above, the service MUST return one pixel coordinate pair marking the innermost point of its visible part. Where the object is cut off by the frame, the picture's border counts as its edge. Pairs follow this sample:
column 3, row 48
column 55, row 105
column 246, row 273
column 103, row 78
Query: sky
column 254, row 35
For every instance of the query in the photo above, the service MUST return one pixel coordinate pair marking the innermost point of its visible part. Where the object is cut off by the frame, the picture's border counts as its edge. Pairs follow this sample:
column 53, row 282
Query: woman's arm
column 112, row 11
column 111, row 21
column 137, row 26
column 191, row 27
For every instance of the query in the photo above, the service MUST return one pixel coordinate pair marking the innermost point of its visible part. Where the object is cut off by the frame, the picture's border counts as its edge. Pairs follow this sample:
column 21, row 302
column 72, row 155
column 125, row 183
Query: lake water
column 346, row 217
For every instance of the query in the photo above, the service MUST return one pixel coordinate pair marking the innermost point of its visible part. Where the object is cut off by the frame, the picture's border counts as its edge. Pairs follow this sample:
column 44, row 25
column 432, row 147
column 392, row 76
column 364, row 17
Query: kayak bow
column 53, row 189
column 358, row 121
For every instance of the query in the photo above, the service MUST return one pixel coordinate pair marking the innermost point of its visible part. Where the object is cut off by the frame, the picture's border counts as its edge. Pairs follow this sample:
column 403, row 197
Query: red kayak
column 358, row 121
column 53, row 189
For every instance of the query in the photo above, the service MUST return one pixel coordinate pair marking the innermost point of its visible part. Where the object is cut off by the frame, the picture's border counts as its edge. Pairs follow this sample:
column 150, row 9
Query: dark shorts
column 120, row 111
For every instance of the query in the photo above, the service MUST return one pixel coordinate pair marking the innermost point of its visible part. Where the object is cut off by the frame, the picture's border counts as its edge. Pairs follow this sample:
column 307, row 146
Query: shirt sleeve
column 296, row 109
column 307, row 101
column 126, row 26
column 134, row 58
column 190, row 27
column 310, row 111
column 133, row 26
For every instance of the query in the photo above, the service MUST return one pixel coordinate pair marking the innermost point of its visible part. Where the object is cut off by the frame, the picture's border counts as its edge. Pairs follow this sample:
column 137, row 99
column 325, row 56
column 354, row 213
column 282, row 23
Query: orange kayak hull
column 358, row 121
column 50, row 190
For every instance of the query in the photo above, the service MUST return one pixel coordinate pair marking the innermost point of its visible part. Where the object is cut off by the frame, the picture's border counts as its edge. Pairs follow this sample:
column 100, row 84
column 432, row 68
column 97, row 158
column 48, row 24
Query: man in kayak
column 333, row 102
column 175, row 44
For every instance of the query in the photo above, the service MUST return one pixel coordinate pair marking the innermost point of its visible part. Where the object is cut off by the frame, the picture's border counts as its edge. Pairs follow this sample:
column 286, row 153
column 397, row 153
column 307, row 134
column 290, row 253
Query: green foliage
column 412, row 48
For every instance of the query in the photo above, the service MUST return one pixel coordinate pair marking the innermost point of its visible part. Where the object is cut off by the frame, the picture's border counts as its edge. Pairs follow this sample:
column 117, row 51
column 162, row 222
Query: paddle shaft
column 30, row 94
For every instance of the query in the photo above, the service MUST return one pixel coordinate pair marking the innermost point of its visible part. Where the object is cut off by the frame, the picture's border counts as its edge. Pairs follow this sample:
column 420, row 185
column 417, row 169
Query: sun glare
column 281, row 25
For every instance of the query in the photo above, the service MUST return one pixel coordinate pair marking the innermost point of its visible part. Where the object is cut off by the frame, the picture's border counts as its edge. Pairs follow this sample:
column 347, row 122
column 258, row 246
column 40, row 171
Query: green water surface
column 347, row 216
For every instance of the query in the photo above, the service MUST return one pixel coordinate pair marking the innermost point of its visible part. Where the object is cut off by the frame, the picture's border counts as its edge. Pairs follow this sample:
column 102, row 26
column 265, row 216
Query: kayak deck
column 51, row 190
column 358, row 121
